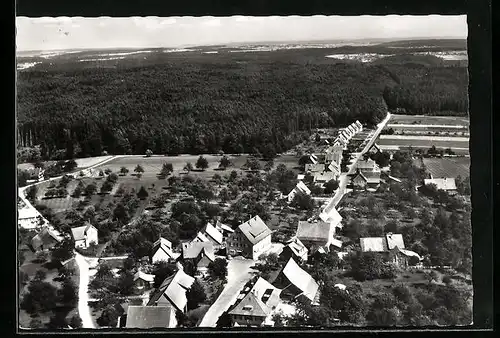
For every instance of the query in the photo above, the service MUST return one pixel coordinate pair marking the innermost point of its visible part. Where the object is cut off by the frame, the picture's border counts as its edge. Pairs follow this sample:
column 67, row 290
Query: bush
column 447, row 279
column 218, row 269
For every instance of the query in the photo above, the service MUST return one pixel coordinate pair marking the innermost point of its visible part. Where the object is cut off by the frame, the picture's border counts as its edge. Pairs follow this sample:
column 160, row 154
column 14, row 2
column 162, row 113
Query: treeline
column 236, row 107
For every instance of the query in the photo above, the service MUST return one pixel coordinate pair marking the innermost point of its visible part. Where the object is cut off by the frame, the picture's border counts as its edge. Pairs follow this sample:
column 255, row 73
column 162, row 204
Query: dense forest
column 237, row 105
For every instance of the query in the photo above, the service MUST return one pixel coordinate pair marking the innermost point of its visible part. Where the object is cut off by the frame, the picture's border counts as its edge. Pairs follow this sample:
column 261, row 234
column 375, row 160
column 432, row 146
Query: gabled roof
column 296, row 246
column 224, row 227
column 194, row 249
column 381, row 244
column 301, row 279
column 80, row 232
column 324, row 176
column 164, row 242
column 368, row 164
column 213, row 233
column 395, row 240
column 375, row 244
column 394, row 178
column 250, row 305
column 358, row 124
column 336, row 243
column 314, row 231
column 442, row 183
column 174, row 290
column 255, row 230
column 302, row 188
column 260, row 300
column 200, row 237
column 45, row 235
column 148, row 317
column 313, row 159
column 334, row 167
column 144, row 276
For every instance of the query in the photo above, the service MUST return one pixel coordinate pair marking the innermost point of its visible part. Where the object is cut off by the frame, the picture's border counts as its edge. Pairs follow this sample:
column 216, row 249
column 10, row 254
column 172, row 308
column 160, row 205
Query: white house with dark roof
column 295, row 282
column 250, row 239
column 256, row 306
column 172, row 292
column 85, row 235
column 162, row 251
column 300, row 188
column 334, row 153
column 213, row 234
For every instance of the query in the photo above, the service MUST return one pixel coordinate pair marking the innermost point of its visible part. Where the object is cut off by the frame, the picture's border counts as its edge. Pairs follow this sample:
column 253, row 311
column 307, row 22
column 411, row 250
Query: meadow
column 448, row 166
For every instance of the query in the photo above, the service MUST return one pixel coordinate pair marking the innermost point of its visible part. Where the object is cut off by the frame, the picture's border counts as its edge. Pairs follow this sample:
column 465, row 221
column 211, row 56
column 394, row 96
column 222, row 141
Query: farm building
column 367, row 165
column 45, row 239
column 213, row 234
column 172, row 292
column 225, row 229
column 317, row 233
column 28, row 217
column 201, row 254
column 392, row 246
column 446, row 184
column 162, row 251
column 295, row 249
column 300, row 188
column 143, row 280
column 257, row 306
column 150, row 317
column 334, row 167
column 250, row 239
column 314, row 167
column 296, row 283
column 365, row 179
column 85, row 235
column 321, row 178
column 331, row 215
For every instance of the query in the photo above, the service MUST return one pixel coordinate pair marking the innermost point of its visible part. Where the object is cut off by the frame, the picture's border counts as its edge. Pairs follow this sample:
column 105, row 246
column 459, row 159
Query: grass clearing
column 421, row 119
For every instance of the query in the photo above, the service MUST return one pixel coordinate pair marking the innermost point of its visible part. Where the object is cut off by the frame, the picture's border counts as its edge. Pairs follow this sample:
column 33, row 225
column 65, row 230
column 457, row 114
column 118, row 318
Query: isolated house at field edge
column 85, row 235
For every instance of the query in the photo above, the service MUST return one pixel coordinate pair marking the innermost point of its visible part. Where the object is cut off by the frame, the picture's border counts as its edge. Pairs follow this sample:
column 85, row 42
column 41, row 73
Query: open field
column 425, row 143
column 427, row 120
column 82, row 163
column 448, row 166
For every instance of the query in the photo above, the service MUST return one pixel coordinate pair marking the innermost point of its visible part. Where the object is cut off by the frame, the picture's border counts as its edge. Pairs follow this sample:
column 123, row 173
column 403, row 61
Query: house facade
column 300, row 188
column 85, row 235
column 150, row 317
column 250, row 239
column 172, row 292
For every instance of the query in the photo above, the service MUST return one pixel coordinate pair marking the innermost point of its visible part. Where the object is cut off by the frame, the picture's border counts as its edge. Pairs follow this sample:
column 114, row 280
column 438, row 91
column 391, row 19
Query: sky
column 58, row 33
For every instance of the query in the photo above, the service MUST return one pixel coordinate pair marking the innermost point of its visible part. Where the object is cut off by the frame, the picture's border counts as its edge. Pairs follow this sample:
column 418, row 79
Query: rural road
column 344, row 177
column 238, row 274
column 83, row 297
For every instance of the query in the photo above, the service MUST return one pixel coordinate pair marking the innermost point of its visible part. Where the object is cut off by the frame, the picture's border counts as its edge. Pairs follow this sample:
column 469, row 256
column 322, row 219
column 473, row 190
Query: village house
column 300, row 188
column 172, row 292
column 211, row 234
column 314, row 167
column 318, row 233
column 334, row 167
column 447, row 184
column 365, row 179
column 85, row 235
column 201, row 254
column 225, row 229
column 359, row 125
column 45, row 239
column 334, row 154
column 150, row 317
column 321, row 178
column 143, row 281
column 250, row 239
column 295, row 249
column 162, row 251
column 256, row 307
column 391, row 246
column 374, row 149
column 296, row 283
column 331, row 215
column 367, row 165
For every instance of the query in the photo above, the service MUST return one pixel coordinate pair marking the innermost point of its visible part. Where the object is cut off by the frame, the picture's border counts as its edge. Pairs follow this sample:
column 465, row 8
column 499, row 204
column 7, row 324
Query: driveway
column 83, row 296
column 238, row 274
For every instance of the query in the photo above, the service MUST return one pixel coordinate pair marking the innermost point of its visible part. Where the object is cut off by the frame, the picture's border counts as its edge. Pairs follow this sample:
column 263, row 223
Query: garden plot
column 448, row 166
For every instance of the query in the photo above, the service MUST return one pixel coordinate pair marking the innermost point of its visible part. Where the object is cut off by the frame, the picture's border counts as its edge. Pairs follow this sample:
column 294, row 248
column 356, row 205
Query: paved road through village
column 238, row 273
column 344, row 177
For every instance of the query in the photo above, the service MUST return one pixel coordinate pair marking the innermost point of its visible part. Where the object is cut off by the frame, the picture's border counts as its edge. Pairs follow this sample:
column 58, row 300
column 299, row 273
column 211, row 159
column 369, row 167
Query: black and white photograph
column 219, row 172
